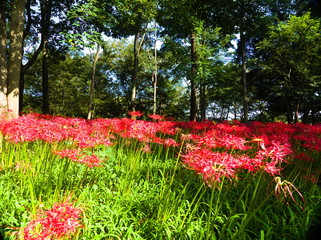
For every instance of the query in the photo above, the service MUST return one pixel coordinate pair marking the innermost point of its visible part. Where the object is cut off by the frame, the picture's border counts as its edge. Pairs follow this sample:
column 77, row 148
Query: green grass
column 138, row 195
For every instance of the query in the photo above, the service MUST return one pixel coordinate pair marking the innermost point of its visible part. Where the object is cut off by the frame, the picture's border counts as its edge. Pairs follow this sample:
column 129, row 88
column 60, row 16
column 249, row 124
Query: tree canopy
column 197, row 60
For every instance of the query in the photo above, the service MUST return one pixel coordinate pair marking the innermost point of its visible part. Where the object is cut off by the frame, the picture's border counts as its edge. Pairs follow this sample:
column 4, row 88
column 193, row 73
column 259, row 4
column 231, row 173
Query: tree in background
column 291, row 63
column 192, row 66
column 132, row 19
column 45, row 20
column 11, row 66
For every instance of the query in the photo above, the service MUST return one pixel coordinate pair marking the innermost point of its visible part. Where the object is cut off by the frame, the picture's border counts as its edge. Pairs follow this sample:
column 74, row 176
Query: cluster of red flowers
column 224, row 149
column 214, row 150
column 51, row 129
column 77, row 155
column 58, row 222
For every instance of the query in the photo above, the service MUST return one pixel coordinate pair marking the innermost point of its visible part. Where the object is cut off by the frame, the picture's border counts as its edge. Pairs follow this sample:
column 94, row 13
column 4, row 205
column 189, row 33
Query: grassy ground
column 134, row 193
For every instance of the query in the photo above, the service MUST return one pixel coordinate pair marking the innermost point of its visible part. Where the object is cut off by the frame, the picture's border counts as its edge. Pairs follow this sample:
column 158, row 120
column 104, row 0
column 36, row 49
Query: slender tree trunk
column 15, row 56
column 45, row 21
column 222, row 114
column 21, row 89
column 243, row 77
column 3, row 59
column 92, row 83
column 28, row 21
column 155, row 73
column 137, row 47
column 313, row 113
column 242, row 45
column 193, row 99
column 45, row 81
column 135, row 71
column 203, row 100
column 289, row 113
column 228, row 112
column 297, row 108
column 305, row 117
column 155, row 92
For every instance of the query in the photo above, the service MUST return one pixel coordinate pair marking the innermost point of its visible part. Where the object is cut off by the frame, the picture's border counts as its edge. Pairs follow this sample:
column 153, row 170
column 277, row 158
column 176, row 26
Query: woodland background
column 187, row 59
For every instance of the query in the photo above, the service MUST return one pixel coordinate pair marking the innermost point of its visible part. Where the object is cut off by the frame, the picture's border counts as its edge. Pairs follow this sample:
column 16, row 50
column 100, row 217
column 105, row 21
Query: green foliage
column 282, row 74
column 291, row 56
column 143, row 196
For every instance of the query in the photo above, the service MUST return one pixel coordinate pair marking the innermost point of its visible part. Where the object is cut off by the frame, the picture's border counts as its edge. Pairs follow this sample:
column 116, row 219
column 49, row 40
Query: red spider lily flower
column 135, row 114
column 170, row 119
column 250, row 164
column 187, row 137
column 62, row 220
column 91, row 161
column 277, row 152
column 156, row 116
column 142, row 130
column 73, row 154
column 157, row 140
column 230, row 141
column 213, row 166
column 146, row 148
column 167, row 127
column 262, row 141
column 77, row 155
column 169, row 142
column 272, row 168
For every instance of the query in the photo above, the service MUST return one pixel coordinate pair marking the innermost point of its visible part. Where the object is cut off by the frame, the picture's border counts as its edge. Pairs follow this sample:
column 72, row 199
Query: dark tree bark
column 155, row 73
column 203, row 101
column 3, row 59
column 193, row 99
column 92, row 83
column 45, row 82
column 243, row 77
column 137, row 47
column 135, row 71
column 46, row 10
column 46, row 7
column 15, row 56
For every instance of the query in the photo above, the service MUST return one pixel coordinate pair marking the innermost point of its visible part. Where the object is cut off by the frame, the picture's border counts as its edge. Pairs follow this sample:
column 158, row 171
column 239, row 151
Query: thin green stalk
column 63, row 168
column 32, row 193
column 255, row 205
column 190, row 212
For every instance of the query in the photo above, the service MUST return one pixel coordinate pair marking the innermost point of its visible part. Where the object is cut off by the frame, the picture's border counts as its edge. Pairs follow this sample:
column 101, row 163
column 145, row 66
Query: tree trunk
column 45, row 81
column 21, row 89
column 135, row 71
column 155, row 92
column 203, row 100
column 193, row 110
column 137, row 47
column 28, row 21
column 296, row 113
column 92, row 83
column 305, row 116
column 45, row 21
column 15, row 56
column 154, row 78
column 3, row 59
column 289, row 112
column 243, row 77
